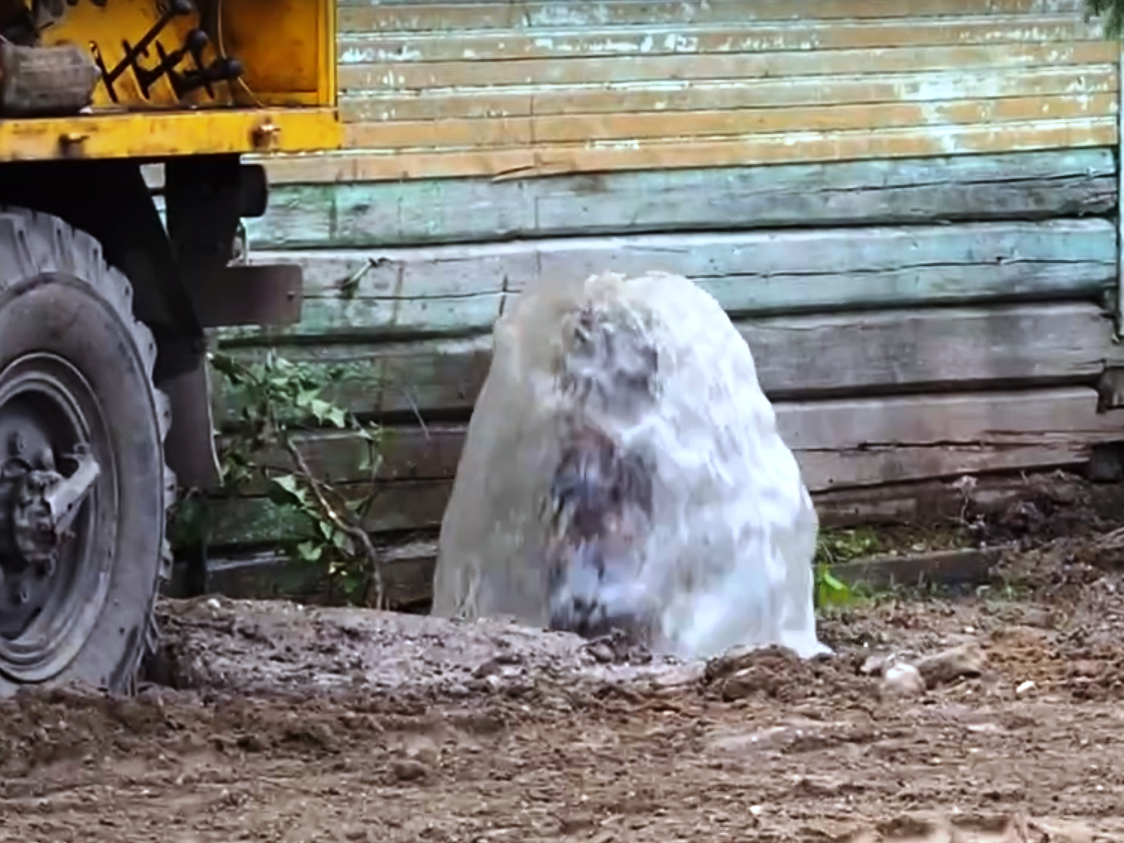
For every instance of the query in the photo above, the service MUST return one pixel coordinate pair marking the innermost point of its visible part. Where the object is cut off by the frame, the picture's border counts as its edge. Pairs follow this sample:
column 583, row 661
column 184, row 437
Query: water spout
column 623, row 469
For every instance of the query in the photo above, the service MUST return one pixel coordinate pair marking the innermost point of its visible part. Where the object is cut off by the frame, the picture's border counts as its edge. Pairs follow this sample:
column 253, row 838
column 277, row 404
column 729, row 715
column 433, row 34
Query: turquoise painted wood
column 1033, row 185
column 452, row 289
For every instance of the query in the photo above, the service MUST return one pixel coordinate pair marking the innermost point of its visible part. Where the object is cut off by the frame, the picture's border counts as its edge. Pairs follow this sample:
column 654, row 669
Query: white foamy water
column 677, row 505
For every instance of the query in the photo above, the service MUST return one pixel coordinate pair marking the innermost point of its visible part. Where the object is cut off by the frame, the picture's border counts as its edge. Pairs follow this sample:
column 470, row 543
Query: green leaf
column 285, row 490
column 309, row 552
column 305, row 397
column 337, row 416
column 319, row 409
column 829, row 579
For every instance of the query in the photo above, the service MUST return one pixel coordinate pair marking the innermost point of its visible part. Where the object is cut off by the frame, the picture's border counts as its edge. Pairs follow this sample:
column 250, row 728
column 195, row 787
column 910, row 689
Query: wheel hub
column 38, row 506
column 52, row 563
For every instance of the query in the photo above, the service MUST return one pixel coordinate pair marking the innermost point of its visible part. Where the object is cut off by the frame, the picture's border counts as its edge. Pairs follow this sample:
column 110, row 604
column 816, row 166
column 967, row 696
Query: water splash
column 623, row 468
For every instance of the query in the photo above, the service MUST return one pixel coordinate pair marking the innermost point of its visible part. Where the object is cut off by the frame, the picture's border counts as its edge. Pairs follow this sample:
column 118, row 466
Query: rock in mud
column 947, row 666
column 623, row 469
column 902, row 680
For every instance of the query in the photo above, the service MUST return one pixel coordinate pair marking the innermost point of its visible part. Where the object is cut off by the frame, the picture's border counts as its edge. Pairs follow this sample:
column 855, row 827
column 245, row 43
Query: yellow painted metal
column 285, row 100
column 170, row 133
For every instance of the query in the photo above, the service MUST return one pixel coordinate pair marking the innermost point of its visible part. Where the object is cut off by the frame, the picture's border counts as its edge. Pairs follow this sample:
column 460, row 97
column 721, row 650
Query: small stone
column 949, row 665
column 1028, row 685
column 424, row 751
column 408, row 770
column 212, row 603
column 902, row 680
column 601, row 653
column 876, row 664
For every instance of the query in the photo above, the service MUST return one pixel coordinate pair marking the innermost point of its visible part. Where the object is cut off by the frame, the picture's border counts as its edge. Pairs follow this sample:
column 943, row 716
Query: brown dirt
column 293, row 724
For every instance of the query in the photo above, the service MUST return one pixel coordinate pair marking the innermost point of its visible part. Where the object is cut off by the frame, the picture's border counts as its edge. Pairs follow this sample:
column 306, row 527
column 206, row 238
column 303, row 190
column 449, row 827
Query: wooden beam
column 453, row 289
column 849, row 444
column 408, row 565
column 454, row 17
column 538, row 161
column 941, row 349
column 719, row 94
column 988, row 51
column 574, row 43
column 1056, row 183
column 745, row 123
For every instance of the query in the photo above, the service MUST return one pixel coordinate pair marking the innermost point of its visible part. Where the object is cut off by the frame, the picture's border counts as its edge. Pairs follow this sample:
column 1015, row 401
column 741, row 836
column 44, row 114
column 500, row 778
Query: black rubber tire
column 58, row 295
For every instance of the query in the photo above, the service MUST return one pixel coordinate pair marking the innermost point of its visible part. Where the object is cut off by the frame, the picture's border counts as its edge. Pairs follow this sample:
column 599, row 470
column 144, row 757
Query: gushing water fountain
column 623, row 469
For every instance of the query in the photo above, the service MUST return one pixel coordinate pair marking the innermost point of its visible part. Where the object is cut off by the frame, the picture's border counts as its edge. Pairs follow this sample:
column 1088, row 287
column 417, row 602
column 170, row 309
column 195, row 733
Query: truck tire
column 77, row 600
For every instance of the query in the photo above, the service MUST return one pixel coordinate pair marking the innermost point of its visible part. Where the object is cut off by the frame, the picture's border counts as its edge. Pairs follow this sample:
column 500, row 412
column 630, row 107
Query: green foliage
column 830, row 590
column 836, row 546
column 280, row 401
column 1112, row 12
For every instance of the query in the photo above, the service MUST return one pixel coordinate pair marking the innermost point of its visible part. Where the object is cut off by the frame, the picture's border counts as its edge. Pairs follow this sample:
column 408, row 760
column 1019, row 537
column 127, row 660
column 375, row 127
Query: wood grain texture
column 458, row 17
column 1029, row 185
column 721, row 94
column 507, row 132
column 439, row 90
column 452, row 289
column 593, row 41
column 538, row 161
column 845, row 444
column 408, row 565
column 883, row 351
column 354, row 78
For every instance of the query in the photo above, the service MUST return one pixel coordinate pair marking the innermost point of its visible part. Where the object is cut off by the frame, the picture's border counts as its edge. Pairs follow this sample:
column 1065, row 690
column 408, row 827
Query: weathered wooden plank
column 504, row 132
column 388, row 76
column 451, row 289
column 716, row 95
column 692, row 39
column 931, row 501
column 889, row 350
column 408, row 567
column 839, row 443
column 459, row 17
column 843, row 444
column 407, row 453
column 528, row 162
column 1024, row 185
column 257, row 521
column 407, row 577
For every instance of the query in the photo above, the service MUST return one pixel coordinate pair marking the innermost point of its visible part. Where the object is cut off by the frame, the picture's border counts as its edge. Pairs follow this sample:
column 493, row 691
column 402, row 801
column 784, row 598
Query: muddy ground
column 295, row 724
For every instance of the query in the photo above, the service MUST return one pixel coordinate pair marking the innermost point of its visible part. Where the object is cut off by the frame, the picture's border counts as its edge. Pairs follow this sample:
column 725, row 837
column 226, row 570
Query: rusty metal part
column 249, row 294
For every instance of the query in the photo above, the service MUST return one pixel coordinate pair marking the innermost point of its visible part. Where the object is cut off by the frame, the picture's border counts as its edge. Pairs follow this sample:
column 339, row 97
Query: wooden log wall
column 909, row 210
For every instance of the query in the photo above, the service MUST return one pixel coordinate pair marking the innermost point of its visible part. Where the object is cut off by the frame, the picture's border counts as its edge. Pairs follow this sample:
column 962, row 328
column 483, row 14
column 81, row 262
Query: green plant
column 836, row 546
column 279, row 403
column 1113, row 13
column 830, row 590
